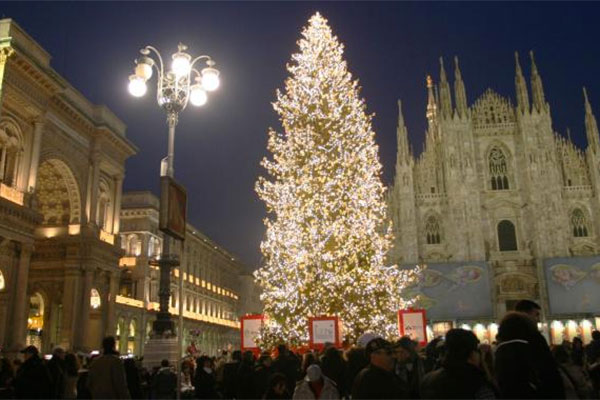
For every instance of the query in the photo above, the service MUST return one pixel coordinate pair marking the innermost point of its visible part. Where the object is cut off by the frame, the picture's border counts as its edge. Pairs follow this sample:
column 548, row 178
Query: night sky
column 390, row 47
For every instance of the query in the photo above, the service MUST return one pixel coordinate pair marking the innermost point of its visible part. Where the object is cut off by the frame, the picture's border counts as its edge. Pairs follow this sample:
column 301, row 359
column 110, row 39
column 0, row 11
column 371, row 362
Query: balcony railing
column 11, row 194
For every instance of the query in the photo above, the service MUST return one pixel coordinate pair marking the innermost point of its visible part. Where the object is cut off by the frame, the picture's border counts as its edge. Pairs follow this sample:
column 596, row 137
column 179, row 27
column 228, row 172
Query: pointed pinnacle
column 400, row 115
column 457, row 73
column 533, row 66
column 517, row 63
column 442, row 70
column 588, row 107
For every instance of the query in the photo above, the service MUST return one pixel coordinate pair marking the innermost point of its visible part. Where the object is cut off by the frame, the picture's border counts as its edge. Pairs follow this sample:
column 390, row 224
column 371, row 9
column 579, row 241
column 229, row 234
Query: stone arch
column 498, row 164
column 58, row 193
column 579, row 222
column 507, row 236
column 12, row 145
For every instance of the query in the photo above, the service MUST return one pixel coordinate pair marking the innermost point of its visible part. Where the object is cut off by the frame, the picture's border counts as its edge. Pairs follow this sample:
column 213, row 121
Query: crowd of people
column 519, row 364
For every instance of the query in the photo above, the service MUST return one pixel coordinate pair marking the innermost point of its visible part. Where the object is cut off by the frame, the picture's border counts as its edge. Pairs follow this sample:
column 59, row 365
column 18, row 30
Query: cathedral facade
column 497, row 185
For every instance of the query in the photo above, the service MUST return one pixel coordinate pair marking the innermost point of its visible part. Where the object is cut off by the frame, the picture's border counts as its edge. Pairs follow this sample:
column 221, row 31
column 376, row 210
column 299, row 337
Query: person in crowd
column 315, row 386
column 544, row 364
column 433, row 354
column 56, row 367
column 230, row 375
column 106, row 377
column 460, row 375
column 356, row 360
column 309, row 358
column 377, row 380
column 33, row 379
column 71, row 376
column 83, row 392
column 277, row 389
column 245, row 384
column 287, row 364
column 262, row 374
column 575, row 380
column 134, row 382
column 186, row 376
column 409, row 365
column 334, row 367
column 164, row 384
column 7, row 377
column 516, row 369
column 204, row 381
column 592, row 353
column 220, row 368
column 577, row 352
column 192, row 350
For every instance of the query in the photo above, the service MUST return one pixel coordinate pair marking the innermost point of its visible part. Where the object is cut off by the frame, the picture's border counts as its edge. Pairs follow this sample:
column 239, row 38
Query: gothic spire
column 404, row 152
column 537, row 89
column 521, row 87
column 460, row 95
column 591, row 126
column 431, row 103
column 445, row 99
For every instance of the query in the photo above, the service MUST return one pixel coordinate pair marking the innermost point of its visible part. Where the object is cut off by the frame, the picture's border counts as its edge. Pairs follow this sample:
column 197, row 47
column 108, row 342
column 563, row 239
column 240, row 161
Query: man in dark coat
column 230, row 375
column 205, row 381
column 288, row 365
column 33, row 379
column 460, row 376
column 551, row 386
column 164, row 382
column 56, row 367
column 377, row 380
column 592, row 352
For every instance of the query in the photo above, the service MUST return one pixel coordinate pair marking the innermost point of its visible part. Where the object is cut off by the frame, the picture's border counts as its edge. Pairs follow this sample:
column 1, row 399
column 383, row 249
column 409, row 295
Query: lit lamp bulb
column 198, row 95
column 143, row 69
column 210, row 78
column 137, row 86
column 181, row 64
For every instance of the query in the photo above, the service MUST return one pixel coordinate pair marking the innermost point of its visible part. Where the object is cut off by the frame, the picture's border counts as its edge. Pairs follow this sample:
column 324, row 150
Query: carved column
column 70, row 309
column 21, row 309
column 111, row 306
column 93, row 187
column 118, row 183
column 35, row 155
column 5, row 53
column 88, row 280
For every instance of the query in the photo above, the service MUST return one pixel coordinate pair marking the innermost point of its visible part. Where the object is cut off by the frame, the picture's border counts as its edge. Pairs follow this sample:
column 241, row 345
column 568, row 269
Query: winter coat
column 56, row 368
column 205, row 384
column 456, row 381
column 230, row 378
column 245, row 383
column 515, row 371
column 33, row 380
column 70, row 391
column 288, row 365
column 411, row 374
column 303, row 391
column 106, row 378
column 164, row 383
column 376, row 383
column 575, row 381
column 551, row 386
column 262, row 374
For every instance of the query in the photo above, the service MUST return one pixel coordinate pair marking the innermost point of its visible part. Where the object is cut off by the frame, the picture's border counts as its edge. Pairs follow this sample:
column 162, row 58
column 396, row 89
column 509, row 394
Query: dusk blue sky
column 390, row 47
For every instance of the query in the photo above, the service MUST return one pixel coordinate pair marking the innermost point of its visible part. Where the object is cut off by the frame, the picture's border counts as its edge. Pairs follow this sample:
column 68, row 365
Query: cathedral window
column 498, row 169
column 432, row 230
column 579, row 223
column 507, row 236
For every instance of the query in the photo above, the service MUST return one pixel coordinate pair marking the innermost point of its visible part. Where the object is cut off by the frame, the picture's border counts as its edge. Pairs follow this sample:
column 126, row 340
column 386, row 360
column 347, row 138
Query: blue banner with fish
column 573, row 284
column 454, row 291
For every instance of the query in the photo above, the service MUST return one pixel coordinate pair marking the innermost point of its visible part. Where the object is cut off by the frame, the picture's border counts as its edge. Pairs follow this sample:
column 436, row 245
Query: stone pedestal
column 160, row 348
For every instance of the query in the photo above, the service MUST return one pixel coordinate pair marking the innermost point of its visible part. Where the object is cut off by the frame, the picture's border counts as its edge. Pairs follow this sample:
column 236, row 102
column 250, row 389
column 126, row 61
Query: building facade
column 61, row 171
column 496, row 185
column 213, row 281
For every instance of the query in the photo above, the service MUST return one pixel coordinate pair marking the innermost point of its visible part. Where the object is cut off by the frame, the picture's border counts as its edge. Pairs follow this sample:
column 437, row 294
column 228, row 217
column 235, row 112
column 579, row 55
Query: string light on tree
column 325, row 244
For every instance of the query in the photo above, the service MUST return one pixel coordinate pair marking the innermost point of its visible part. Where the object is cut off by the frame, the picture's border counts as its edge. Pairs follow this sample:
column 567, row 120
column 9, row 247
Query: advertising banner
column 250, row 329
column 323, row 330
column 412, row 323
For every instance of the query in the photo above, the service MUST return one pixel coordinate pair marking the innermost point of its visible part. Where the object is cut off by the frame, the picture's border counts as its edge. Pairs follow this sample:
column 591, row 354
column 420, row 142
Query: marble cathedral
column 496, row 184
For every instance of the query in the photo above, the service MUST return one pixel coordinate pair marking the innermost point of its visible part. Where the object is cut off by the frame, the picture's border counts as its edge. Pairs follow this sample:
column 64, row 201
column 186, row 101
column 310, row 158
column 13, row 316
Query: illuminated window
column 95, row 301
column 2, row 283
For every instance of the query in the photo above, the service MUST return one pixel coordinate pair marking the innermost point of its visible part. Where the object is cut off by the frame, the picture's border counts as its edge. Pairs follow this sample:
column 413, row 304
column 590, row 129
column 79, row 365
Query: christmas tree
column 325, row 245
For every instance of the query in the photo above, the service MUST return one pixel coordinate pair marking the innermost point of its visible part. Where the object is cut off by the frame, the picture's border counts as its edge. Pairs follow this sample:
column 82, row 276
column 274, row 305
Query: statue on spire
column 431, row 103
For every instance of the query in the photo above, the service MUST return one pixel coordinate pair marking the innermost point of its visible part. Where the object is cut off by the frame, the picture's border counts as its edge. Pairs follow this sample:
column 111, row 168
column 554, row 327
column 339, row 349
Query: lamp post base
column 161, row 348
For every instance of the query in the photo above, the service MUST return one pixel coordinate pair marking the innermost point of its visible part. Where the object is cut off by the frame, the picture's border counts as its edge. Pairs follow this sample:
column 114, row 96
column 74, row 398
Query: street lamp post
column 177, row 86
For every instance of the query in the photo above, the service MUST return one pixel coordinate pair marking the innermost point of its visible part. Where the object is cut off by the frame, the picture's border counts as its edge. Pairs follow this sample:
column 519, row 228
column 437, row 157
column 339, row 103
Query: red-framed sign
column 250, row 329
column 323, row 330
column 413, row 323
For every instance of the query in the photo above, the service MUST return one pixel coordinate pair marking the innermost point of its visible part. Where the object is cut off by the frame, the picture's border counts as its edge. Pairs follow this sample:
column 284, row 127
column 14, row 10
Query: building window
column 432, row 230
column 507, row 236
column 95, row 301
column 2, row 282
column 579, row 223
column 498, row 169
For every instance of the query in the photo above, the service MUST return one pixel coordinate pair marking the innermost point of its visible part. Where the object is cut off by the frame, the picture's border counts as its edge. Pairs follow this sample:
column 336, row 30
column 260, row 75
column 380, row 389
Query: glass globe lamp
column 137, row 86
column 210, row 78
column 198, row 95
column 181, row 64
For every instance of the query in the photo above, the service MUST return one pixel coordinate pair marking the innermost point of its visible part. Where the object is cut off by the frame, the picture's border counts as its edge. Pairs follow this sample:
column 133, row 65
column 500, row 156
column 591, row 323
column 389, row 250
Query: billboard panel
column 573, row 284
